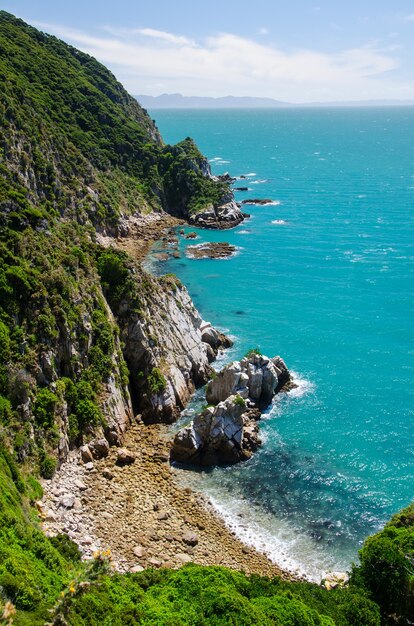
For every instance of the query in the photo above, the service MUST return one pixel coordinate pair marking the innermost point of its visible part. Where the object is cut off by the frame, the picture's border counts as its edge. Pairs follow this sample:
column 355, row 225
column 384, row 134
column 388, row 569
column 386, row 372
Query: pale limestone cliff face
column 167, row 337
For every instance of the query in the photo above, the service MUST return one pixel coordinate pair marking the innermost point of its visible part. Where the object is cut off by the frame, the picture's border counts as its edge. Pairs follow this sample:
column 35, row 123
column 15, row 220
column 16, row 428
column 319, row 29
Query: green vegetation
column 253, row 352
column 76, row 151
column 240, row 401
column 387, row 567
column 88, row 148
column 156, row 381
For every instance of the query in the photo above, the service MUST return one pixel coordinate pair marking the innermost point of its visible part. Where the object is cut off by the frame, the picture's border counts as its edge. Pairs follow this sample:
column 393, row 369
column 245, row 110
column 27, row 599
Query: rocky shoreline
column 138, row 510
column 141, row 513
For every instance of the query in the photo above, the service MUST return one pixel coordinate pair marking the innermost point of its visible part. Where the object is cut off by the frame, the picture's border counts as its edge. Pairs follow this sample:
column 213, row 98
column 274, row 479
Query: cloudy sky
column 296, row 51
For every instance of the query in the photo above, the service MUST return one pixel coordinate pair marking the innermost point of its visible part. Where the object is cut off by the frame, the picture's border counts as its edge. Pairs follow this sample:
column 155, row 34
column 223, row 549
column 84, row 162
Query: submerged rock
column 211, row 250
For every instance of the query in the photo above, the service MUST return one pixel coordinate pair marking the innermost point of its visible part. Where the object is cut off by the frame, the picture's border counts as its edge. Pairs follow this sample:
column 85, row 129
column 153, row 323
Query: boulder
column 125, row 457
column 86, row 454
column 190, row 538
column 99, row 448
column 220, row 435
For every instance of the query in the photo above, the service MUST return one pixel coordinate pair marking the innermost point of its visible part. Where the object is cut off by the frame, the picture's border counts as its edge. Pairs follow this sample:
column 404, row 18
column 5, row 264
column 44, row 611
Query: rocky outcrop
column 255, row 377
column 220, row 435
column 210, row 250
column 227, row 215
column 228, row 432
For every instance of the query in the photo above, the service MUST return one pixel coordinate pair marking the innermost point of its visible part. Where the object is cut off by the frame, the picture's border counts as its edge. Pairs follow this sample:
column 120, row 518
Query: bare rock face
column 166, row 342
column 256, row 377
column 220, row 435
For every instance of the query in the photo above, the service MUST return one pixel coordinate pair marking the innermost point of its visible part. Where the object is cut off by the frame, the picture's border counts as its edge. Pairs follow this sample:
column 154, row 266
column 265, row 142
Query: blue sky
column 297, row 51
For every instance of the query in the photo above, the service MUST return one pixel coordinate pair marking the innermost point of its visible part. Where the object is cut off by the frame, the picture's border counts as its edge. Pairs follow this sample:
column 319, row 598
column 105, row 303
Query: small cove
column 325, row 279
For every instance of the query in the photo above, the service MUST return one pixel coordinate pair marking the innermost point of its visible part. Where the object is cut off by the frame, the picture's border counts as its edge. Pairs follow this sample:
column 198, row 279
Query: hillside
column 88, row 340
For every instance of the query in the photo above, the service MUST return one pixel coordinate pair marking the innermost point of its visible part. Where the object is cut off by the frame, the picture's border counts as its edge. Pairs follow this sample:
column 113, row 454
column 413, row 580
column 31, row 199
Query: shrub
column 44, row 407
column 156, row 381
column 239, row 401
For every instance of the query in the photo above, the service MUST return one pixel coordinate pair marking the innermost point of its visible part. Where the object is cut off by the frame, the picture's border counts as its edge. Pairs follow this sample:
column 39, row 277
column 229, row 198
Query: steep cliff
column 74, row 143
column 87, row 337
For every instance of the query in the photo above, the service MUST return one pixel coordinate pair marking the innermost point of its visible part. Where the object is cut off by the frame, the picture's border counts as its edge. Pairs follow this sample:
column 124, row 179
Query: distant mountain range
column 178, row 101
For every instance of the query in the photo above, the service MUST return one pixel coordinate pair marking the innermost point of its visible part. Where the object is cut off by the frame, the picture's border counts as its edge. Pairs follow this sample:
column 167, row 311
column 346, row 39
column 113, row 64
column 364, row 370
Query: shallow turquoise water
column 331, row 290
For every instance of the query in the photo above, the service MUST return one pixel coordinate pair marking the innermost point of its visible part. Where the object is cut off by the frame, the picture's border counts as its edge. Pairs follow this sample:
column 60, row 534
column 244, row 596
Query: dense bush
column 387, row 567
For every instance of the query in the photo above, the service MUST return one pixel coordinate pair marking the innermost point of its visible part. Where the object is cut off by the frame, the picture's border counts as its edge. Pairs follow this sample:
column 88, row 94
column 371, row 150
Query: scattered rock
column 163, row 515
column 191, row 235
column 154, row 562
column 80, row 485
column 183, row 558
column 139, row 551
column 125, row 457
column 241, row 189
column 136, row 569
column 89, row 466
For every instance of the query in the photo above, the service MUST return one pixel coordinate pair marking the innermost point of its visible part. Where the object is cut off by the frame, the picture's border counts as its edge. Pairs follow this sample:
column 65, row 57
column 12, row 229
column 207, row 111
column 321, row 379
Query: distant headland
column 178, row 101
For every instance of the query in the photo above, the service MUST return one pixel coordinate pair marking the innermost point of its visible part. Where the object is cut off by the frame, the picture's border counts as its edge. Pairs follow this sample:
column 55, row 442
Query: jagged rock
column 214, row 337
column 86, row 454
column 255, row 377
column 220, row 435
column 125, row 457
column 228, row 432
column 162, row 516
column 153, row 562
column 170, row 316
column 99, row 448
column 225, row 216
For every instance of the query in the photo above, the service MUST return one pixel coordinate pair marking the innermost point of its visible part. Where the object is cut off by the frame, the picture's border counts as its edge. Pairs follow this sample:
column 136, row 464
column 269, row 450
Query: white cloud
column 263, row 31
column 409, row 18
column 147, row 60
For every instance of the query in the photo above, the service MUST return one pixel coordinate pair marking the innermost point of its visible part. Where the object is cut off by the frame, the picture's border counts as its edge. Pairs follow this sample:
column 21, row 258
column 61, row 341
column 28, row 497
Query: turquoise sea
column 324, row 277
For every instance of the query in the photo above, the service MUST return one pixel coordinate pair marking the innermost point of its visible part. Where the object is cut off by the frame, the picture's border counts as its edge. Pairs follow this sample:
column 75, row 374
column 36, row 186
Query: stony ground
column 140, row 512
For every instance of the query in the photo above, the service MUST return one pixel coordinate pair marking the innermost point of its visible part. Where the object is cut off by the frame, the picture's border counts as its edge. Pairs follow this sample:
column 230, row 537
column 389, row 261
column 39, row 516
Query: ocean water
column 323, row 277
